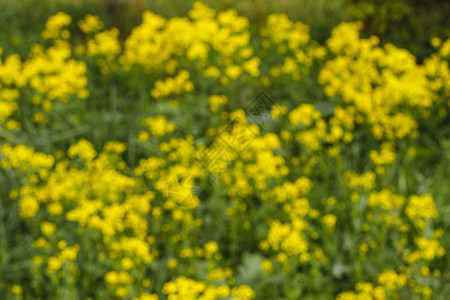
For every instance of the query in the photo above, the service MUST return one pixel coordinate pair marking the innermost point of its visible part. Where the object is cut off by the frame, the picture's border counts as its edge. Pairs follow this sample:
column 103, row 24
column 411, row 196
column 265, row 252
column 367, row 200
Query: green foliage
column 351, row 241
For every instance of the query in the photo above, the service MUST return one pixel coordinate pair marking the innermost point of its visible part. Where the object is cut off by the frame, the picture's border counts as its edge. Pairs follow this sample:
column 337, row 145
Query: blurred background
column 119, row 101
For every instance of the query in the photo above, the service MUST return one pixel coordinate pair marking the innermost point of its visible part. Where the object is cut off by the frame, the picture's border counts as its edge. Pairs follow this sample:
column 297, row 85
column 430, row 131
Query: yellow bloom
column 16, row 289
column 243, row 292
column 435, row 42
column 121, row 292
column 211, row 72
column 172, row 263
column 216, row 101
column 211, row 247
column 391, row 280
column 90, row 24
column 421, row 207
column 28, row 207
column 13, row 125
column 55, row 24
column 48, row 228
column 55, row 208
column 177, row 85
column 267, row 266
column 146, row 296
column 305, row 114
column 329, row 220
column 126, row 263
column 83, row 149
column 54, row 264
column 158, row 126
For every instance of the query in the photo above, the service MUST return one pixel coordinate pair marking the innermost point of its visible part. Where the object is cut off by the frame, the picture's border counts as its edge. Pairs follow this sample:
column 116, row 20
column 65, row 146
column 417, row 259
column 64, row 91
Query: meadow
column 224, row 150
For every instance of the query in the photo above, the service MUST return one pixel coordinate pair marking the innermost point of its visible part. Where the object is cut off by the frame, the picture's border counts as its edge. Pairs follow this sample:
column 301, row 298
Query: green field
column 224, row 149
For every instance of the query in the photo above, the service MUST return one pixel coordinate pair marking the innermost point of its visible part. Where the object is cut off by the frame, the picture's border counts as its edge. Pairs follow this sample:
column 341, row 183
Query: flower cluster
column 311, row 196
column 158, row 43
column 292, row 42
column 52, row 74
column 176, row 86
column 377, row 81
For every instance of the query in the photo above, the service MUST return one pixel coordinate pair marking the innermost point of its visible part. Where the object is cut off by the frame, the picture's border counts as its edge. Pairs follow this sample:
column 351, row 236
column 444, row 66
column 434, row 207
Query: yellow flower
column 277, row 111
column 146, row 296
column 48, row 228
column 366, row 180
column 435, row 42
column 121, row 292
column 90, row 24
column 329, row 220
column 385, row 157
column 421, row 207
column 385, row 199
column 252, row 66
column 427, row 292
column 216, row 101
column 143, row 136
column 267, row 266
column 126, row 263
column 425, row 271
column 62, row 244
column 146, row 283
column 211, row 247
column 216, row 275
column 305, row 114
column 177, row 85
column 112, row 277
column 115, row 147
column 243, row 292
column 197, row 50
column 211, row 72
column 69, row 253
column 379, row 293
column 41, row 243
column 28, row 207
column 55, row 208
column 391, row 280
column 17, row 289
column 158, row 126
column 13, row 125
column 172, row 263
column 233, row 72
column 54, row 25
column 54, row 264
column 105, row 43
column 83, row 149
